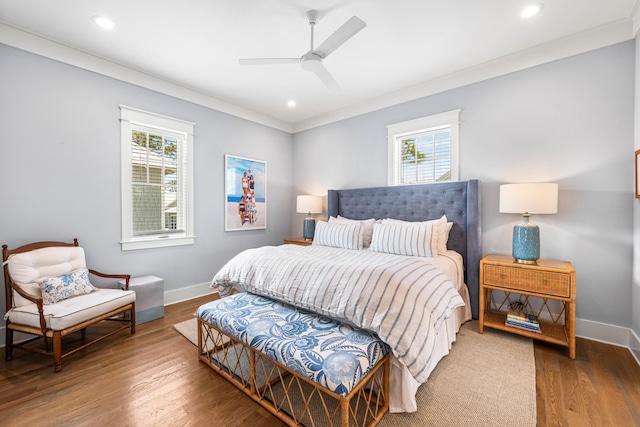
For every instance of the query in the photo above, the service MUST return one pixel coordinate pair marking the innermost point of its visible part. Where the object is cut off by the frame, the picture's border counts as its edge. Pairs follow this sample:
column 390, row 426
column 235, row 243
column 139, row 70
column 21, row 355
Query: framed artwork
column 637, row 174
column 245, row 194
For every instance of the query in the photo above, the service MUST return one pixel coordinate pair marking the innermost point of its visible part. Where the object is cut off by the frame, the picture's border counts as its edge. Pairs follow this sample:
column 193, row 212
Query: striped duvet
column 402, row 299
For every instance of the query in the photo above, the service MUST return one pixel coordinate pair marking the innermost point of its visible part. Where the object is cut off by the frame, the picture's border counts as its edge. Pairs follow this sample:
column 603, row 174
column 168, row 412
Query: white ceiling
column 409, row 48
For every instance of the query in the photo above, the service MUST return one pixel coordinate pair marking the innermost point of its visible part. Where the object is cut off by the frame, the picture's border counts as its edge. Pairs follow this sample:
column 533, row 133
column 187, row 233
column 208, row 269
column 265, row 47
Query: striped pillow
column 366, row 224
column 438, row 239
column 415, row 240
column 338, row 235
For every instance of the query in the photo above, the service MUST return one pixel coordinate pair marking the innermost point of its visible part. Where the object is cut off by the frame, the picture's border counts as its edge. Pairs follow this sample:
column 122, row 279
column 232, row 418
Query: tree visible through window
column 424, row 150
column 426, row 157
column 154, row 180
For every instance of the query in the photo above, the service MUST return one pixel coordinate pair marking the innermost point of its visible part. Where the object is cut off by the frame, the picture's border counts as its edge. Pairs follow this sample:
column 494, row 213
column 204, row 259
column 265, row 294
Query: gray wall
column 60, row 166
column 570, row 122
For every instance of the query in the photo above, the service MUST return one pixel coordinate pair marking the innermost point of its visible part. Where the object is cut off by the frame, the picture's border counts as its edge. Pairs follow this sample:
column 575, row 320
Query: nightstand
column 548, row 280
column 297, row 241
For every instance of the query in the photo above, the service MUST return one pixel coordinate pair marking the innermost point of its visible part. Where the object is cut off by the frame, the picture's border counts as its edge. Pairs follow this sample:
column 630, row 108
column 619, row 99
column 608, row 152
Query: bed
column 382, row 300
column 460, row 201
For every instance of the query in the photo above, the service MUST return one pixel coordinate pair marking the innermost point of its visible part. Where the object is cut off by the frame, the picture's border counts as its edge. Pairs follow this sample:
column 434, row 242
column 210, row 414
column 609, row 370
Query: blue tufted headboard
column 459, row 201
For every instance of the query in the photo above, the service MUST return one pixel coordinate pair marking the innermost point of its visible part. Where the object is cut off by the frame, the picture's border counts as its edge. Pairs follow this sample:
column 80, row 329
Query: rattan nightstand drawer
column 543, row 282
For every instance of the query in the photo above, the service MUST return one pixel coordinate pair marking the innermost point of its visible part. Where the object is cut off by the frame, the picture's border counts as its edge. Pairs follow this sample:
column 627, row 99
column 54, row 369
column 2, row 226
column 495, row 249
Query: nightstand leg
column 481, row 313
column 571, row 328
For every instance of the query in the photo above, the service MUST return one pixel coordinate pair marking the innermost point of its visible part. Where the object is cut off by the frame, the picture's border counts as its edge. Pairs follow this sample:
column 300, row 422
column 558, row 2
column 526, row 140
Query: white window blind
column 157, row 180
column 157, row 165
column 424, row 150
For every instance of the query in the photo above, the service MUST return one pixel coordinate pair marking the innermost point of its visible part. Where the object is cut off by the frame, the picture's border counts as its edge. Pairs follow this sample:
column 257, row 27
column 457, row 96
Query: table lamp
column 309, row 204
column 526, row 199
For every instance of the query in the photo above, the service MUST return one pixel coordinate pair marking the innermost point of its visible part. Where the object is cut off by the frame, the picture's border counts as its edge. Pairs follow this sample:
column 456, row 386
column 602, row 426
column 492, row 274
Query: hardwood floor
column 154, row 378
column 151, row 378
column 600, row 387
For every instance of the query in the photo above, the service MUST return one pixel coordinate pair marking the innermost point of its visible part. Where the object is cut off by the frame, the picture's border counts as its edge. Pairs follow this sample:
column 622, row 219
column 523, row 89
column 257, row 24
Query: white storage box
column 149, row 297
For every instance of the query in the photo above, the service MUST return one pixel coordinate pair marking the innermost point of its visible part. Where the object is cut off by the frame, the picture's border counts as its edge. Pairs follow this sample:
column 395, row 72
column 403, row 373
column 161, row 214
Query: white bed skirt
column 402, row 386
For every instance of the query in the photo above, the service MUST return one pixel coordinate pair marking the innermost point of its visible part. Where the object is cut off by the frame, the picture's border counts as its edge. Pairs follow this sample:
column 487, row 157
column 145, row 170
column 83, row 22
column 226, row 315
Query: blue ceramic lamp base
column 309, row 228
column 526, row 242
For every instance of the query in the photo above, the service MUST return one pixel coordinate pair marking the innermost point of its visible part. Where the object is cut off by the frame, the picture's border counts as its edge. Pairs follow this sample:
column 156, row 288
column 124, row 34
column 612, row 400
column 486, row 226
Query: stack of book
column 522, row 320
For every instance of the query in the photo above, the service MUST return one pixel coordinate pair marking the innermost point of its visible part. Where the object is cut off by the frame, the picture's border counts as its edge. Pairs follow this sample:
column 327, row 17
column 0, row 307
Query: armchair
column 49, row 295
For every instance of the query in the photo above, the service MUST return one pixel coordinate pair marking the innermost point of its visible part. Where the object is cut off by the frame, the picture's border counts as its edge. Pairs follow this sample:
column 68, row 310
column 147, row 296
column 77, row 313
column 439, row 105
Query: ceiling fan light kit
column 312, row 60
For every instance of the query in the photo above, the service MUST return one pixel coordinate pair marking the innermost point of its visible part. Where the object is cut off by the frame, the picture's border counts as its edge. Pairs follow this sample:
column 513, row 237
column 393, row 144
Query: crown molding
column 616, row 32
column 29, row 42
column 574, row 44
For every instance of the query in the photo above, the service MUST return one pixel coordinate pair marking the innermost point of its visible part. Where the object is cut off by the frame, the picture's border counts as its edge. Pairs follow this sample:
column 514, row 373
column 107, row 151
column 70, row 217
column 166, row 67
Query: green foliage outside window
column 409, row 151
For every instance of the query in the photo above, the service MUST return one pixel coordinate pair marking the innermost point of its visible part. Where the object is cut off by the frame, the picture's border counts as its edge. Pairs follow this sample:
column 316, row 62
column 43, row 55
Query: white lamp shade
column 534, row 198
column 309, row 204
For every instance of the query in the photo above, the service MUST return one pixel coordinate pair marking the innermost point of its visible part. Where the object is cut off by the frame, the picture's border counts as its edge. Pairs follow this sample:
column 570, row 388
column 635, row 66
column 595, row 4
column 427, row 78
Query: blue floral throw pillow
column 56, row 289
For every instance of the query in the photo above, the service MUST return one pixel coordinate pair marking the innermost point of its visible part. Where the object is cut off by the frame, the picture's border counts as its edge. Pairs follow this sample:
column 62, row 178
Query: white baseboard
column 609, row 334
column 634, row 346
column 187, row 293
column 602, row 332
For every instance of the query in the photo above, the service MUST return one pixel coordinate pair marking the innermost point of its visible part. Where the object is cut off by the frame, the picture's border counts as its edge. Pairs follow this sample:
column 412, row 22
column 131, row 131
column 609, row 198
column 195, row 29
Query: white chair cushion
column 74, row 310
column 26, row 268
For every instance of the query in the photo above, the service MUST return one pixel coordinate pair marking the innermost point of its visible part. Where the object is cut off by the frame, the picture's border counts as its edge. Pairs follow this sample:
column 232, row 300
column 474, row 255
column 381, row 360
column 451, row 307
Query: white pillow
column 400, row 239
column 56, row 289
column 338, row 235
column 443, row 230
column 366, row 224
column 439, row 243
column 447, row 230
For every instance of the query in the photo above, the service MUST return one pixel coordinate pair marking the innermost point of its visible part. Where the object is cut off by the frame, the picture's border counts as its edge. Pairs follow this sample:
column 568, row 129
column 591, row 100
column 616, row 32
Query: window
column 157, row 180
column 424, row 150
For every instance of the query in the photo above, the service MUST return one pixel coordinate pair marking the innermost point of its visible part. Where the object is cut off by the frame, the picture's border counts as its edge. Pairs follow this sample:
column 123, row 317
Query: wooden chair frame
column 126, row 314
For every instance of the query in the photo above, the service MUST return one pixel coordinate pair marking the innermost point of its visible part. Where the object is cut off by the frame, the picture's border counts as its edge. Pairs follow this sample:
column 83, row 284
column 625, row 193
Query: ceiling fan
column 312, row 60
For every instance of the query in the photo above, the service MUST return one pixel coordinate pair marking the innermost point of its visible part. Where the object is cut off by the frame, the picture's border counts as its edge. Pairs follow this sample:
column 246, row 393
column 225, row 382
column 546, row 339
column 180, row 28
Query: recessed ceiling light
column 529, row 11
column 103, row 22
column 291, row 104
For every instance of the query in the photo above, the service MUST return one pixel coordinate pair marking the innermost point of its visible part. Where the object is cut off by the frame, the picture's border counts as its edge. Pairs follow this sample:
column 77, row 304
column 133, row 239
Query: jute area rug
column 486, row 380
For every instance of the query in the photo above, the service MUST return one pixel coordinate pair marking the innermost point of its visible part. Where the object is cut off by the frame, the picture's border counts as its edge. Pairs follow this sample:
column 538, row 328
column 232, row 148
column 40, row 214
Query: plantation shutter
column 424, row 150
column 423, row 157
column 157, row 180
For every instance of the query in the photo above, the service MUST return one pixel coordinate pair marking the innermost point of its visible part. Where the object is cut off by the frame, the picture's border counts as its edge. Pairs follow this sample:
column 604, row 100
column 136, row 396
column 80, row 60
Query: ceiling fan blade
column 340, row 36
column 326, row 78
column 268, row 61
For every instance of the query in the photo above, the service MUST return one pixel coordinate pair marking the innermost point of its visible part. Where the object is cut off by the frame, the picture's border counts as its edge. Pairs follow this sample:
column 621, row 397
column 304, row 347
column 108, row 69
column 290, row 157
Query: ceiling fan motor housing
column 311, row 61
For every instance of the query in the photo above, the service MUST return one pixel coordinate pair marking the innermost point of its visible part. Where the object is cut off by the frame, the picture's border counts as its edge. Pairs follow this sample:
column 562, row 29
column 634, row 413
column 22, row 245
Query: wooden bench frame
column 289, row 395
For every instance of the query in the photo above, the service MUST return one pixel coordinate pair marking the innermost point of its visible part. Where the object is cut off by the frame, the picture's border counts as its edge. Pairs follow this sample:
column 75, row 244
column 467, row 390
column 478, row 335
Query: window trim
column 132, row 116
column 423, row 124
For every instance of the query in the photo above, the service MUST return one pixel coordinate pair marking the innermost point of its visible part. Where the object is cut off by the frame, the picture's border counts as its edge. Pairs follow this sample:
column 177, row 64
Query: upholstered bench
column 303, row 367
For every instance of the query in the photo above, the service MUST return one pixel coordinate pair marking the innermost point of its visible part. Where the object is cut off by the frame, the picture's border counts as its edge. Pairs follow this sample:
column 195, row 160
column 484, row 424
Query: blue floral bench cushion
column 334, row 355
